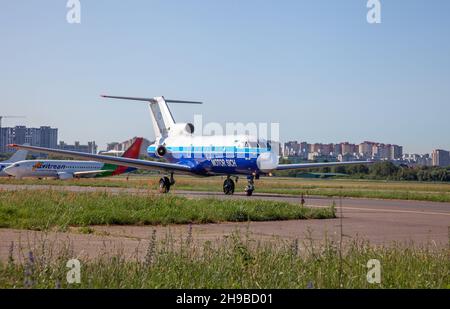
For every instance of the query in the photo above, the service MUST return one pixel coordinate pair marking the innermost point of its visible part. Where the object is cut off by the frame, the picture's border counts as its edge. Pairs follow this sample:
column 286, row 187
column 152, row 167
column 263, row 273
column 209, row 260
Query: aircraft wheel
column 164, row 185
column 228, row 186
column 250, row 186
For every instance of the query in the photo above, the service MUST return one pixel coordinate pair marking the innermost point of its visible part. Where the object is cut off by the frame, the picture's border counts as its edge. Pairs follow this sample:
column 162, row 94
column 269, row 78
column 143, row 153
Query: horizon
column 283, row 142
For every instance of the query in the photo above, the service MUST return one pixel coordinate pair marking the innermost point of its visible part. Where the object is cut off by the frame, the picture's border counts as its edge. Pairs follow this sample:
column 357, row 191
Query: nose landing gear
column 250, row 186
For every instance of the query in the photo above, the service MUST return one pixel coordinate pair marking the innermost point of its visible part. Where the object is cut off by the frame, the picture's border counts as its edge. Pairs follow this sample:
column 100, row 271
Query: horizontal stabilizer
column 153, row 100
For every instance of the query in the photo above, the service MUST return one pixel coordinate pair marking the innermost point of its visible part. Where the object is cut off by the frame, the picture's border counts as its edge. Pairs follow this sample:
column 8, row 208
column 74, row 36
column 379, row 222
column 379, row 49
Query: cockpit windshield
column 260, row 144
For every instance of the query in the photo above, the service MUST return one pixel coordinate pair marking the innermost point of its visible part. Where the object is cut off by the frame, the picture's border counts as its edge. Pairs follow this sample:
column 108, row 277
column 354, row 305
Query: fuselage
column 51, row 168
column 215, row 155
column 67, row 169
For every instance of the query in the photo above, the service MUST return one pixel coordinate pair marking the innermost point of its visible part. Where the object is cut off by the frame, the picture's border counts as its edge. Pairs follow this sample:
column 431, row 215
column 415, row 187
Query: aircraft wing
column 283, row 167
column 136, row 163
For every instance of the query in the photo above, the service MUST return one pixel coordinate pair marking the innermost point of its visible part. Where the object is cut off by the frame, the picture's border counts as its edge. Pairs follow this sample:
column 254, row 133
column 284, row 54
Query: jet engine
column 161, row 151
column 65, row 176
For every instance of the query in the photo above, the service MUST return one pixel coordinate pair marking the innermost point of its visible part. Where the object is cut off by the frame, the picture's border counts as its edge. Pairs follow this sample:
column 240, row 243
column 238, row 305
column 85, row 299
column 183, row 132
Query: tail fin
column 134, row 150
column 162, row 118
column 133, row 153
column 19, row 155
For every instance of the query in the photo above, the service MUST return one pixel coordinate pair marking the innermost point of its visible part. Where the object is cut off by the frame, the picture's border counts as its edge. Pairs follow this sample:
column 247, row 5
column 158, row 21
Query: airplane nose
column 267, row 162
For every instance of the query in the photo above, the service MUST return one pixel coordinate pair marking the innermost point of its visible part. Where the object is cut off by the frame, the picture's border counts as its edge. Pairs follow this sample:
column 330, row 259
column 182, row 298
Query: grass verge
column 235, row 262
column 402, row 190
column 42, row 210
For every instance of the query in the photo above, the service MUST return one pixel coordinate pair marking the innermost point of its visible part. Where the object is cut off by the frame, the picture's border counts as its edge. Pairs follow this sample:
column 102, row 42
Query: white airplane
column 69, row 169
column 19, row 155
column 186, row 153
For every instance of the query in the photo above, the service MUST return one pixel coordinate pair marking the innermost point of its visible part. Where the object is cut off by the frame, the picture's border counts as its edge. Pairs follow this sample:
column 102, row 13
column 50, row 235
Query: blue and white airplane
column 187, row 153
column 19, row 155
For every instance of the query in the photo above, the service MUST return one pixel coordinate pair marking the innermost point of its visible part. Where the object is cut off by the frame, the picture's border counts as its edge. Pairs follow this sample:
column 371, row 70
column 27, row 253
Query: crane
column 1, row 135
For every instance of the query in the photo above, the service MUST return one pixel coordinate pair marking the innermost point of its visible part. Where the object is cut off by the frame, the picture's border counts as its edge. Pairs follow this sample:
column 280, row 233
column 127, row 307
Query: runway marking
column 387, row 210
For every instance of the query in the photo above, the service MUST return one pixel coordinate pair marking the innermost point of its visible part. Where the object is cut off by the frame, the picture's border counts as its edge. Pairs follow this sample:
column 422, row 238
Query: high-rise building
column 365, row 149
column 425, row 160
column 316, row 147
column 303, row 147
column 49, row 137
column 20, row 133
column 291, row 148
column 381, row 151
column 440, row 157
column 337, row 149
column 327, row 149
column 7, row 138
column 114, row 146
column 33, row 136
column 347, row 148
column 91, row 147
column 395, row 152
column 44, row 137
column 414, row 159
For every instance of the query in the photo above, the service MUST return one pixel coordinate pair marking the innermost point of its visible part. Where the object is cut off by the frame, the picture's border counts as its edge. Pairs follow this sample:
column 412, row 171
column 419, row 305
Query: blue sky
column 316, row 67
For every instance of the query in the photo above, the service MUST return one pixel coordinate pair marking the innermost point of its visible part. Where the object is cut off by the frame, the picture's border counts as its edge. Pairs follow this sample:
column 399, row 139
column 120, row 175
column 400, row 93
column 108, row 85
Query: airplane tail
column 162, row 118
column 19, row 155
column 133, row 153
column 134, row 150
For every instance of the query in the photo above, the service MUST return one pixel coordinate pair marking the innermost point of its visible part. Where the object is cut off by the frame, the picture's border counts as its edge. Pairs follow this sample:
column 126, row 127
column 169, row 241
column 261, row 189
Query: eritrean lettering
column 49, row 166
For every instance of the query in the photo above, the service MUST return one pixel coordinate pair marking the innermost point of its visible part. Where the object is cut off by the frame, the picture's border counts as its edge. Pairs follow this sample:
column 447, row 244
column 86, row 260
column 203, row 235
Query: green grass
column 236, row 262
column 436, row 192
column 377, row 194
column 42, row 210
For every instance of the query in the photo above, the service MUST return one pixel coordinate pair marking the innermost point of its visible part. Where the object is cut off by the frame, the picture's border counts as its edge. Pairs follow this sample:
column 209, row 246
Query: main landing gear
column 165, row 183
column 228, row 186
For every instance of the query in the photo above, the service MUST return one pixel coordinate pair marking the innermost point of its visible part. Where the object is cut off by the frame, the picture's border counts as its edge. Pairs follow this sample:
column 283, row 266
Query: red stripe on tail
column 132, row 152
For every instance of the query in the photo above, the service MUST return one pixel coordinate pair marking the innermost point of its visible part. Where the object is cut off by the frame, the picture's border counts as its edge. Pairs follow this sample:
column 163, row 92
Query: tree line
column 381, row 171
